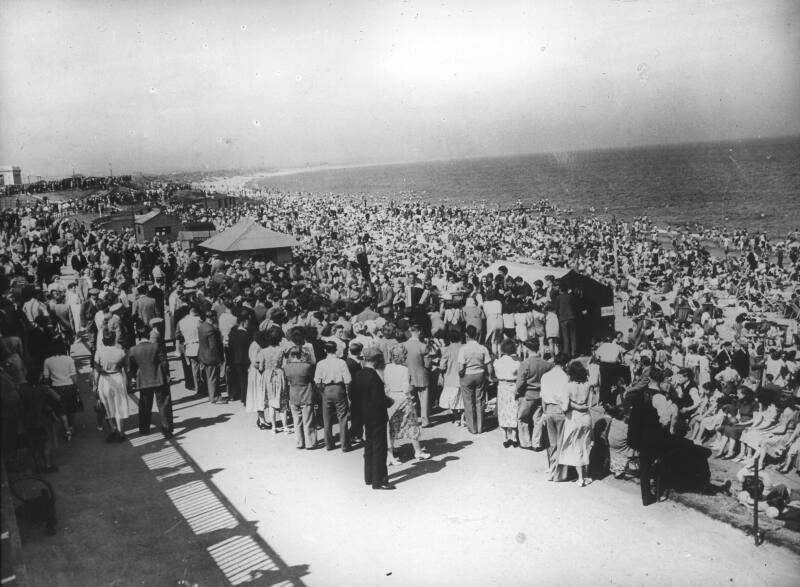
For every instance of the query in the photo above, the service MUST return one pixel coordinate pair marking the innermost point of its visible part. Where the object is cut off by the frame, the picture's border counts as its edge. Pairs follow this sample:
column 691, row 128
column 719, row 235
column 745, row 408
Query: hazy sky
column 180, row 85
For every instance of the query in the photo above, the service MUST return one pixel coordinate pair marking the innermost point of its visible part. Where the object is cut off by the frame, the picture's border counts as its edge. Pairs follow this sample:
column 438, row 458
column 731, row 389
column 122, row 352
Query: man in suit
column 566, row 306
column 418, row 363
column 371, row 405
column 210, row 357
column 239, row 341
column 145, row 307
column 147, row 363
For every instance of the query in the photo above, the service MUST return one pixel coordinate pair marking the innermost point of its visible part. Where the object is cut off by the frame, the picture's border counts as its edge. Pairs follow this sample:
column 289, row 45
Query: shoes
column 422, row 456
column 167, row 435
column 583, row 482
column 507, row 443
column 112, row 437
column 262, row 425
column 70, row 434
column 384, row 487
column 120, row 437
column 515, row 444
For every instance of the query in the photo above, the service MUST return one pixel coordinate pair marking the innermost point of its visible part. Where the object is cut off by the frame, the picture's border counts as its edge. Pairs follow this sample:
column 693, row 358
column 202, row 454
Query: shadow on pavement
column 232, row 541
column 436, row 447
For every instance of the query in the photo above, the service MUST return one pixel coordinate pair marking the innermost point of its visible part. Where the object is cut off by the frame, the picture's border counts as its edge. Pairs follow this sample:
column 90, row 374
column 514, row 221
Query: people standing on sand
column 450, row 398
column 147, row 365
column 403, row 422
column 332, row 378
column 109, row 384
column 372, row 405
column 298, row 366
column 529, row 400
column 555, row 395
column 474, row 369
column 418, row 362
column 505, row 370
column 576, row 442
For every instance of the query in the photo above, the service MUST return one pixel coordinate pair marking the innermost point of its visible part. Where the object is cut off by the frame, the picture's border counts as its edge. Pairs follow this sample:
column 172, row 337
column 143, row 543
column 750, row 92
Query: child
column 620, row 454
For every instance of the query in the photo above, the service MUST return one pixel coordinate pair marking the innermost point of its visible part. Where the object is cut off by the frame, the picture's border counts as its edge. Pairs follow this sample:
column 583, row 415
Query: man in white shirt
column 554, row 397
column 187, row 332
column 332, row 378
column 474, row 367
column 610, row 355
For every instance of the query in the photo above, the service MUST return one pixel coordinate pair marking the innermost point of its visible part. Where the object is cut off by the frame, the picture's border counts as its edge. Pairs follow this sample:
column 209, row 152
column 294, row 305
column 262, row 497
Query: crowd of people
column 399, row 288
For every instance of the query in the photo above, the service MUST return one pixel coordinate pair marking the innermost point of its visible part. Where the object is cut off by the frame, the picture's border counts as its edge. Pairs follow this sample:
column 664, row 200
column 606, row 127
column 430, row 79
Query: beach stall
column 597, row 299
column 248, row 239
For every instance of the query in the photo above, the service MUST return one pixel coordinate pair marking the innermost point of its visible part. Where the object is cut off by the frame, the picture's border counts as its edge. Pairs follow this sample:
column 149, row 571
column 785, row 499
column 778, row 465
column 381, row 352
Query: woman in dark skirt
column 731, row 430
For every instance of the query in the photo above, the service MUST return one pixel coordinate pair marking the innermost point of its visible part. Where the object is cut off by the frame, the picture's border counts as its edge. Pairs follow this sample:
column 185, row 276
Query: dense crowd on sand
column 402, row 283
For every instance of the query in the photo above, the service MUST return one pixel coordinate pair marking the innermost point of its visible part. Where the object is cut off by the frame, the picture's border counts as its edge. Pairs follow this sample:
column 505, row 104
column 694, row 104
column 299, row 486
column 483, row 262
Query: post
column 758, row 539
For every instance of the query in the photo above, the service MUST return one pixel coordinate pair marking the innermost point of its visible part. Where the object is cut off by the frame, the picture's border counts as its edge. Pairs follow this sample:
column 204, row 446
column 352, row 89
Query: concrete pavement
column 226, row 503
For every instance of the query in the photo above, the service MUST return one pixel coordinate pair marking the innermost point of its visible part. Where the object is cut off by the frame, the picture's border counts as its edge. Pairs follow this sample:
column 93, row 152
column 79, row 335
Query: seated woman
column 709, row 407
column 765, row 418
column 792, row 458
column 737, row 420
column 777, row 441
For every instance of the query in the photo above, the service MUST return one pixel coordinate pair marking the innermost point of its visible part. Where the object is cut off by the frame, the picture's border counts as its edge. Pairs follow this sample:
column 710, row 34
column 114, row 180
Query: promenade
column 226, row 503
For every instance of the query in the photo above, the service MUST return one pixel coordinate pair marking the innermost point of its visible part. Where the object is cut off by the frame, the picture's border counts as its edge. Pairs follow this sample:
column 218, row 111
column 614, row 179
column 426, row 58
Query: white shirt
column 554, row 386
column 191, row 338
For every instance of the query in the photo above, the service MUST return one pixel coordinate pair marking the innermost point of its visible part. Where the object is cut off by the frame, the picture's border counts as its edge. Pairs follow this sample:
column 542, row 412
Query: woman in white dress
column 505, row 369
column 110, row 384
column 577, row 435
column 256, row 384
column 493, row 309
column 450, row 398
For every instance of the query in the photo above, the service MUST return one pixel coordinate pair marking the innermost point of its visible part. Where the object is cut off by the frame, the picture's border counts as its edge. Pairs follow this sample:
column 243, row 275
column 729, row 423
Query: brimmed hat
column 116, row 307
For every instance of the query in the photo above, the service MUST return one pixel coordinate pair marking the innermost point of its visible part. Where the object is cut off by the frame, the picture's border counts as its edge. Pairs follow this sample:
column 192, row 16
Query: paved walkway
column 226, row 503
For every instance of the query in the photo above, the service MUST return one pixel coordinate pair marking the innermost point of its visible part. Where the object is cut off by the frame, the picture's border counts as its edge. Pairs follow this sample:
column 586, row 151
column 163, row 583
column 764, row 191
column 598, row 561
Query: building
column 145, row 227
column 156, row 224
column 248, row 239
column 10, row 175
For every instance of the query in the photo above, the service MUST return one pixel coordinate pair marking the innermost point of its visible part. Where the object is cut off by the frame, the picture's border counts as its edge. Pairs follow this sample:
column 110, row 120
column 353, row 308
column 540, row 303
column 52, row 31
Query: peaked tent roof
column 248, row 235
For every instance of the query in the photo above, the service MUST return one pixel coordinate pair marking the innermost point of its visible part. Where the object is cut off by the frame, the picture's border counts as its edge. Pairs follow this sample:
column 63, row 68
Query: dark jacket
column 148, row 364
column 210, row 350
column 369, row 399
column 239, row 346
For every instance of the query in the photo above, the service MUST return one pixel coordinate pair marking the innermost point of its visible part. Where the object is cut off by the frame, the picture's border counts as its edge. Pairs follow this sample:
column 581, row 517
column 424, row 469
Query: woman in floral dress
column 403, row 422
column 505, row 369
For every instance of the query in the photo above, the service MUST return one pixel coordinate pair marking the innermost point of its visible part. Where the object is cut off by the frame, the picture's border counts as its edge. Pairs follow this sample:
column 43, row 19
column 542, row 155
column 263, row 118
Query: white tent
column 529, row 273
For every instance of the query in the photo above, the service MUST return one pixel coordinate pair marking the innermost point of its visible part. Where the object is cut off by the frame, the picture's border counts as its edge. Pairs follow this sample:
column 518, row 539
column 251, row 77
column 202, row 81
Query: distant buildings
column 10, row 175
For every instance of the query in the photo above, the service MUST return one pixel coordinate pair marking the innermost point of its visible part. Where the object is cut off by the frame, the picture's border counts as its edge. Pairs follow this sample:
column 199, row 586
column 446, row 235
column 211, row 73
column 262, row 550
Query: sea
column 753, row 184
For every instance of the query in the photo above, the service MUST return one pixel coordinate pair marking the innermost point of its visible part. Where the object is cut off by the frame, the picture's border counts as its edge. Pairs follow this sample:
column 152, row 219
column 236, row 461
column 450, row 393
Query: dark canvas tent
column 594, row 297
column 598, row 300
column 249, row 239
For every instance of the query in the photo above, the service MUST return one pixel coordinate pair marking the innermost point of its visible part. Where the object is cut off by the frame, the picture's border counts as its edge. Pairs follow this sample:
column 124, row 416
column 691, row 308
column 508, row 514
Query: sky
column 181, row 85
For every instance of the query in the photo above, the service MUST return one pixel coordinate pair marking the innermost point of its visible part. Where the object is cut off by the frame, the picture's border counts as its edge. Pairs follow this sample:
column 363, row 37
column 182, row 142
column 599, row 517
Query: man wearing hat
column 371, row 403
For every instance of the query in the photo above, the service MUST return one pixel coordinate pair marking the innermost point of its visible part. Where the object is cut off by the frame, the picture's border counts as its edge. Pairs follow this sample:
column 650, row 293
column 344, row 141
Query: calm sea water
column 744, row 184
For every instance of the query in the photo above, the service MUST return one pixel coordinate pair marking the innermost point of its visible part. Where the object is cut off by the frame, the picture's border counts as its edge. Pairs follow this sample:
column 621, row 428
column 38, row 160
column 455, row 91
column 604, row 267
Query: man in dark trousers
column 645, row 433
column 147, row 363
column 354, row 366
column 372, row 404
column 239, row 341
column 566, row 306
column 210, row 356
